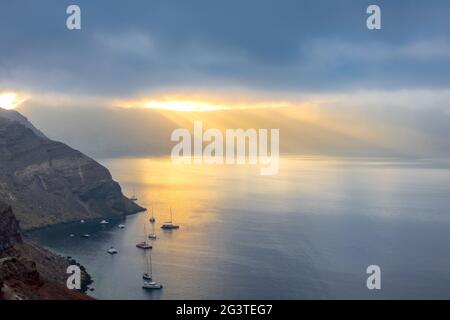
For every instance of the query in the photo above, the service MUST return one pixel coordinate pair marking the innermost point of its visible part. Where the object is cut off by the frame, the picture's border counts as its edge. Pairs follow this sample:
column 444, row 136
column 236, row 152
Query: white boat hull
column 152, row 285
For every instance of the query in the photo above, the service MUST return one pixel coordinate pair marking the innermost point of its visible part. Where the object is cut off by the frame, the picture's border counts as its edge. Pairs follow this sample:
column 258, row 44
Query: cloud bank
column 129, row 48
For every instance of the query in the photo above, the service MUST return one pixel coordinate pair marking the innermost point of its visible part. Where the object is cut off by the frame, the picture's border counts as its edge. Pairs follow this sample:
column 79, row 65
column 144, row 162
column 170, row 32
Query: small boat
column 143, row 245
column 112, row 250
column 149, row 284
column 152, row 218
column 147, row 276
column 152, row 235
column 152, row 285
column 72, row 235
column 86, row 235
column 169, row 225
column 121, row 226
column 82, row 221
column 104, row 222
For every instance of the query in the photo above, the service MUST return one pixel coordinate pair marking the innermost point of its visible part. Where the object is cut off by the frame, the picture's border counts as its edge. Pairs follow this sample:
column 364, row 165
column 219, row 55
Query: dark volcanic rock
column 28, row 271
column 20, row 269
column 9, row 228
column 20, row 280
column 46, row 182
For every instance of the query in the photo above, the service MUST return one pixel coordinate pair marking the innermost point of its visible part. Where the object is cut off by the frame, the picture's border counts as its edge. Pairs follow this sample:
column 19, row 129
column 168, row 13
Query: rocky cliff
column 46, row 182
column 9, row 228
column 27, row 271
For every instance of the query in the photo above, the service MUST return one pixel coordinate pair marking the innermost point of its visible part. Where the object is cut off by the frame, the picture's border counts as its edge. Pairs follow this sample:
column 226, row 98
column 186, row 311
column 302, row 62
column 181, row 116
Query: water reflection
column 308, row 232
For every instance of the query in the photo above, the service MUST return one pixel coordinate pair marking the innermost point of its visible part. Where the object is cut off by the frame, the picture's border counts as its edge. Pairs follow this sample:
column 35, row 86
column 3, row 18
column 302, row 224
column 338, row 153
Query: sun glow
column 201, row 103
column 181, row 105
column 9, row 101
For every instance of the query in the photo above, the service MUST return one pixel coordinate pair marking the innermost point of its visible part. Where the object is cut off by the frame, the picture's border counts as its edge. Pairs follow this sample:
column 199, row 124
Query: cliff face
column 9, row 228
column 20, row 280
column 26, row 270
column 47, row 182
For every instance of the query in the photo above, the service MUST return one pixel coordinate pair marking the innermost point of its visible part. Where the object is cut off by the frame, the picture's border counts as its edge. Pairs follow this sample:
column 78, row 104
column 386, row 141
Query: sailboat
column 144, row 245
column 133, row 197
column 152, row 285
column 152, row 218
column 148, row 270
column 153, row 234
column 169, row 224
column 149, row 284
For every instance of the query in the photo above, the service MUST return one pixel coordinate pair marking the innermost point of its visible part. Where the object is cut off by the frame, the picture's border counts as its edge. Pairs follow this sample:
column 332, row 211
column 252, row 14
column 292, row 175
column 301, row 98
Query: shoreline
column 87, row 279
column 47, row 226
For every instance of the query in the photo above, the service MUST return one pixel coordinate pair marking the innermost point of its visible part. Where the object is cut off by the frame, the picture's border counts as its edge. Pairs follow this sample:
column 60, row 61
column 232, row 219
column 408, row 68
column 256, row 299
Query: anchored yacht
column 169, row 225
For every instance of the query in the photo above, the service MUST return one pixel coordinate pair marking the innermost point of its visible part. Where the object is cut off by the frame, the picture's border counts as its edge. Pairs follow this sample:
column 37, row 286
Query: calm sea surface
column 308, row 232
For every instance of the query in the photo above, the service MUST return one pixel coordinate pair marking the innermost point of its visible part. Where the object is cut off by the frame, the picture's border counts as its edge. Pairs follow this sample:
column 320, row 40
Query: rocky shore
column 28, row 271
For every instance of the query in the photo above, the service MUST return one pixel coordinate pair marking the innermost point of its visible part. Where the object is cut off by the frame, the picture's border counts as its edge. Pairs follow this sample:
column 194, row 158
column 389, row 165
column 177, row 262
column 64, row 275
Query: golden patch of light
column 185, row 106
column 163, row 185
column 9, row 101
column 199, row 103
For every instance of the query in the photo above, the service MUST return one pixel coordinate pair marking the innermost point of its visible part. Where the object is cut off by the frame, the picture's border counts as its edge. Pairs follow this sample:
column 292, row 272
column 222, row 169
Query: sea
column 309, row 232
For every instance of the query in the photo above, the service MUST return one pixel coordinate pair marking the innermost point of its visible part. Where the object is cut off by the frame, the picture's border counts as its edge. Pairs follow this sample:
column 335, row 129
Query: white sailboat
column 153, row 234
column 148, row 268
column 149, row 284
column 169, row 225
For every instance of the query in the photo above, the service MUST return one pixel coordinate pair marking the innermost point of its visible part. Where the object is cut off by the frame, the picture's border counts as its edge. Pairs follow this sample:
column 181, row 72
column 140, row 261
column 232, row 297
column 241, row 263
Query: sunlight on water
column 308, row 232
column 192, row 190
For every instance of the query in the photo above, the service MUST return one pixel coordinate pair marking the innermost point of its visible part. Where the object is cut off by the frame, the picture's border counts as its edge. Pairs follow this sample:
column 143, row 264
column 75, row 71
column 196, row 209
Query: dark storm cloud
column 126, row 47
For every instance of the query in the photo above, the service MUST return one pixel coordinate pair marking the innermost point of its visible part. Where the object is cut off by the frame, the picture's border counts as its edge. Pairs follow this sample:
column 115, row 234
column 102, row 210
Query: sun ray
column 183, row 105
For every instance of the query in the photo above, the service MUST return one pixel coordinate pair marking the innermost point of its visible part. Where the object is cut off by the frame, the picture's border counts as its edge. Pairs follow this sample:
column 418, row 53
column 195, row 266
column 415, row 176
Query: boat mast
column 149, row 261
column 148, row 265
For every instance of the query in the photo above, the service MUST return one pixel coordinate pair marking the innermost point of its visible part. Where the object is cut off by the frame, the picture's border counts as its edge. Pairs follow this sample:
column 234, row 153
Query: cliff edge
column 47, row 182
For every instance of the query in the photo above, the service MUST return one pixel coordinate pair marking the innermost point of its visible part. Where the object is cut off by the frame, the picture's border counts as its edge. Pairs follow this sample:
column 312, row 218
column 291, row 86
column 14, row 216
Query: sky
column 316, row 57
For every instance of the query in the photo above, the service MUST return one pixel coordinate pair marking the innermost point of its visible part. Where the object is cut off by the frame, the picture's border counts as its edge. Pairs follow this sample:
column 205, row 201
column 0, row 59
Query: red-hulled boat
column 143, row 245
